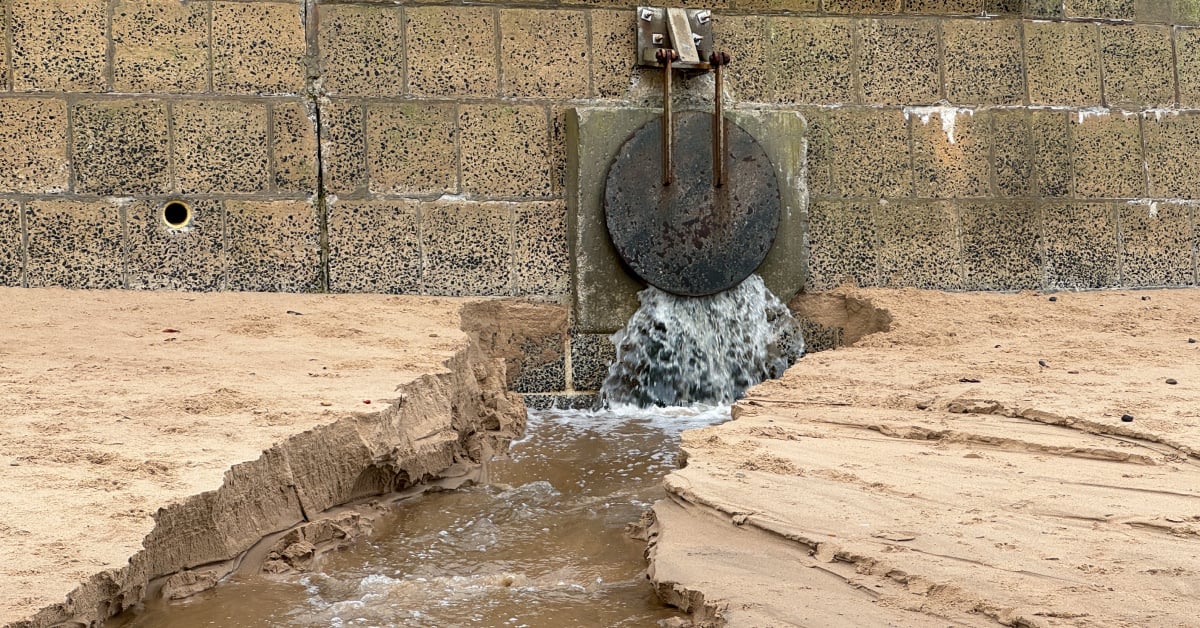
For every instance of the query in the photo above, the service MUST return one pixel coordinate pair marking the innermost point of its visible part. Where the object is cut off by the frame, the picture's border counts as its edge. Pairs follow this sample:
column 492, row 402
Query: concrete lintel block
column 1156, row 244
column 164, row 257
column 74, row 244
column 33, row 133
column 375, row 246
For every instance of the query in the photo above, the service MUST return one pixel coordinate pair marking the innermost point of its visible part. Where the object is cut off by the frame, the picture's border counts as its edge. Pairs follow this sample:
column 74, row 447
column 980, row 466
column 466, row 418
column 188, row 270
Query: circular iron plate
column 689, row 238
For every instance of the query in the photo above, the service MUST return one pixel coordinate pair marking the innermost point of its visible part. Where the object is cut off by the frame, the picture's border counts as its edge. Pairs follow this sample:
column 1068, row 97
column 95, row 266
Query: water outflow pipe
column 665, row 56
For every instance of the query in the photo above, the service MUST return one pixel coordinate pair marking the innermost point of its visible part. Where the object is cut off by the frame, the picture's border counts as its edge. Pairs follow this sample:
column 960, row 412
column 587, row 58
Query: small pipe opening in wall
column 177, row 214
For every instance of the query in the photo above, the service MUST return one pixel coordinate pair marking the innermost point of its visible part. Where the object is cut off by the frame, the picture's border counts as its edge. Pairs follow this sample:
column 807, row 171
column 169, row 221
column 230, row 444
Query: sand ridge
column 114, row 405
column 968, row 467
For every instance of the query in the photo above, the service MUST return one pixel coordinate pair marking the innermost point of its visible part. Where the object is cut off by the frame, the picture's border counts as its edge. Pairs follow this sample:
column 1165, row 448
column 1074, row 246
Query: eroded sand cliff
column 968, row 467
column 150, row 434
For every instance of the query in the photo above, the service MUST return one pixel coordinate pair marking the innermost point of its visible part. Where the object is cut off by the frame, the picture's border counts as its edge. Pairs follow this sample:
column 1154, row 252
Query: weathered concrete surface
column 605, row 293
column 880, row 484
column 143, row 434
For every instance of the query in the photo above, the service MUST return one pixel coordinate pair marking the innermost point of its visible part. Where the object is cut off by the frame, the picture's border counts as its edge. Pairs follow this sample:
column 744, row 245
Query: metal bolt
column 696, row 37
column 704, row 17
column 647, row 15
column 658, row 38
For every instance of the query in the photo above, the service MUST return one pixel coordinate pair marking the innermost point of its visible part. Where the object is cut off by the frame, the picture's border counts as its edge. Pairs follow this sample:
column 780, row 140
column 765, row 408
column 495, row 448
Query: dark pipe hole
column 177, row 214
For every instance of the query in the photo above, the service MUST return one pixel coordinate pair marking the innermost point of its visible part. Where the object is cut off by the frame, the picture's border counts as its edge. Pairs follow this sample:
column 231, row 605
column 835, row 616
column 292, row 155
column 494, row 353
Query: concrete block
column 543, row 53
column 811, row 60
column 258, row 48
column 344, row 147
column 591, row 355
column 374, row 246
column 1001, row 245
column 1104, row 9
column 541, row 367
column 74, row 245
column 220, row 146
column 1186, row 12
column 412, row 148
column 1003, row 7
column 1171, row 155
column 558, row 149
column 1138, row 66
column 505, row 150
column 783, row 137
column 862, row 6
column 1152, row 11
column 1081, row 245
column 859, row 152
column 900, row 61
column 951, row 156
column 294, row 151
column 1156, row 244
column 1047, row 9
column 1012, row 145
column 362, row 49
column 1062, row 63
column 983, row 62
column 59, row 45
column 614, row 33
column 467, row 248
column 12, row 244
column 746, row 37
column 451, row 51
column 272, row 246
column 1051, row 138
column 1187, row 58
column 605, row 294
column 540, row 250
column 842, row 238
column 944, row 7
column 1107, row 156
column 33, row 133
column 121, row 147
column 917, row 244
column 160, row 46
column 188, row 258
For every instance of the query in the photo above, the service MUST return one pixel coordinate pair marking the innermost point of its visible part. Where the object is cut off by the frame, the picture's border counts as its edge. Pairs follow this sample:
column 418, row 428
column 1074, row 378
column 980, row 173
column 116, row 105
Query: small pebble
column 1042, row 363
column 367, row 401
column 1128, row 418
column 326, row 404
column 968, row 380
column 1145, row 298
column 1191, row 341
column 1172, row 381
column 1072, row 372
column 1053, row 299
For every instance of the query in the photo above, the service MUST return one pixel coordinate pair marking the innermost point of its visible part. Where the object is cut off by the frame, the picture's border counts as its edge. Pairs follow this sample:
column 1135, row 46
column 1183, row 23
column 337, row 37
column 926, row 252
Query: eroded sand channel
column 544, row 544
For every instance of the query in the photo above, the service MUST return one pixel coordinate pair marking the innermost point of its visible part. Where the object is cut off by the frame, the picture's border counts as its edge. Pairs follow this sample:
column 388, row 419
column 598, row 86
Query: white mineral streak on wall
column 948, row 115
column 1089, row 112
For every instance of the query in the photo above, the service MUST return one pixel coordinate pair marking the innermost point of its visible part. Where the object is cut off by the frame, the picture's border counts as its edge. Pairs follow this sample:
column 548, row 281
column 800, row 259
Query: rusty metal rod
column 666, row 56
column 717, row 60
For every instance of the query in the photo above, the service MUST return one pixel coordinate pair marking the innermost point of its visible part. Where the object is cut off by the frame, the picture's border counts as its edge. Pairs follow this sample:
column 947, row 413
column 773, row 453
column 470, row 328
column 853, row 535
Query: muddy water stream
column 542, row 545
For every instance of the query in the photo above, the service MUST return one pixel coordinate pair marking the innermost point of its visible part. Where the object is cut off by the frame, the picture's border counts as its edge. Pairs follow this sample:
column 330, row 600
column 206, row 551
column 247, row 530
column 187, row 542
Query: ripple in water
column 680, row 351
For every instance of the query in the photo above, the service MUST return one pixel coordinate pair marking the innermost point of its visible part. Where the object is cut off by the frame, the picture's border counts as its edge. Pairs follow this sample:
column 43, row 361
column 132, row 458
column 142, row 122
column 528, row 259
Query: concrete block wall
column 405, row 147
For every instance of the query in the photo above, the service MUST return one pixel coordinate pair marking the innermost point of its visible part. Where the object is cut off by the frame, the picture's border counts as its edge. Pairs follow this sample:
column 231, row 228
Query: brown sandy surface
column 872, row 485
column 114, row 404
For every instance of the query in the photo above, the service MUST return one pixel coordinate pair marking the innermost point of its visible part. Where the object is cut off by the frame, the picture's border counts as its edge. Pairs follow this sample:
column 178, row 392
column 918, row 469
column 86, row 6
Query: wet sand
column 144, row 433
column 968, row 467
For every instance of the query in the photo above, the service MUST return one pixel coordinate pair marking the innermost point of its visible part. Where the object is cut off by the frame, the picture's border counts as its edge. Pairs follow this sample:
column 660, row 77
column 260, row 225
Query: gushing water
column 679, row 351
